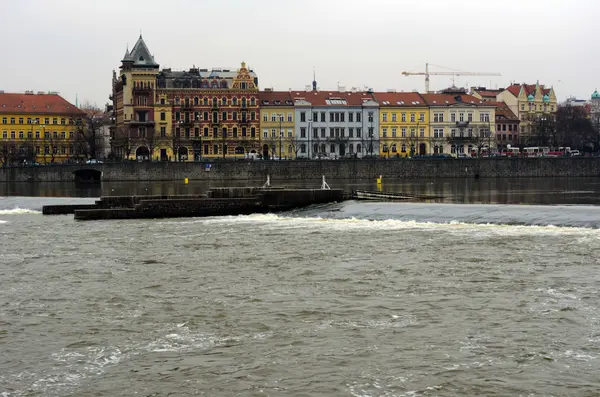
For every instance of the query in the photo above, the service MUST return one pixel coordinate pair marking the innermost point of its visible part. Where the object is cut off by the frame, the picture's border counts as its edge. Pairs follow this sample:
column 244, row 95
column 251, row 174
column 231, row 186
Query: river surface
column 348, row 299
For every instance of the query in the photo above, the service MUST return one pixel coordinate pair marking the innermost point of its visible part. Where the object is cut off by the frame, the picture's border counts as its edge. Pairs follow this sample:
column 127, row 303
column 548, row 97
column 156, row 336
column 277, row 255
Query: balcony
column 215, row 105
column 462, row 124
column 141, row 123
column 186, row 106
column 186, row 123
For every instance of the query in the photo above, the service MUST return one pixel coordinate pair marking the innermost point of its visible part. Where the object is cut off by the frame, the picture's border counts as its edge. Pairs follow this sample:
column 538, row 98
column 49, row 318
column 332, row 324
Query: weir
column 217, row 202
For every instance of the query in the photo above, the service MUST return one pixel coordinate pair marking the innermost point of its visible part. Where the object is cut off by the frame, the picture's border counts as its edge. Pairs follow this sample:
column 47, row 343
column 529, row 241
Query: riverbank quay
column 217, row 202
column 296, row 170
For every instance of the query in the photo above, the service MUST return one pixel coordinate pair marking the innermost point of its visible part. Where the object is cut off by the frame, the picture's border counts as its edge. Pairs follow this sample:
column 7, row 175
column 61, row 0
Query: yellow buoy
column 379, row 180
column 185, row 181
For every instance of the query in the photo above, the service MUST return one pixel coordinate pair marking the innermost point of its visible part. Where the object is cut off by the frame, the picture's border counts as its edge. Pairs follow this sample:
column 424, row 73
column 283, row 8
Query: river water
column 348, row 299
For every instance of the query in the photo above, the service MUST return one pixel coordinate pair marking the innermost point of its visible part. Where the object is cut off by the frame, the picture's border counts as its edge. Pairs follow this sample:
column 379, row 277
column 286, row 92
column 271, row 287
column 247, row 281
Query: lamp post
column 280, row 115
column 310, row 121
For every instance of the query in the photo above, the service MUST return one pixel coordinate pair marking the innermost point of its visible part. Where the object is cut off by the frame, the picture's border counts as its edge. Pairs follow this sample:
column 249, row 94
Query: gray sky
column 72, row 46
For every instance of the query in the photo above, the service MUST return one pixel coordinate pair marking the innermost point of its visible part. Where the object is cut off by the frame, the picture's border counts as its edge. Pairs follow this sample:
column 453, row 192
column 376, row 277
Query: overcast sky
column 72, row 46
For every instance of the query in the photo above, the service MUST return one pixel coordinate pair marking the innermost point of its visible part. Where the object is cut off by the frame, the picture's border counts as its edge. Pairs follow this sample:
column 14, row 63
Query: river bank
column 305, row 170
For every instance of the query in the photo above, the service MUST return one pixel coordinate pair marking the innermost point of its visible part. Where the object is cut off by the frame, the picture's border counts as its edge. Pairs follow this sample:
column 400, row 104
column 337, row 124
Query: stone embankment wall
column 313, row 170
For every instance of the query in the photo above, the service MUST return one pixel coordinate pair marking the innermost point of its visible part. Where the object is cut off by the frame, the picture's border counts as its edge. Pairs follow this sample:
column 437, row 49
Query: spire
column 127, row 56
column 140, row 55
column 314, row 83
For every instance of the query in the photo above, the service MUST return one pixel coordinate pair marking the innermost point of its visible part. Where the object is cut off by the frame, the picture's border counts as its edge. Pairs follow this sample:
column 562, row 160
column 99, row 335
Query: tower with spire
column 314, row 82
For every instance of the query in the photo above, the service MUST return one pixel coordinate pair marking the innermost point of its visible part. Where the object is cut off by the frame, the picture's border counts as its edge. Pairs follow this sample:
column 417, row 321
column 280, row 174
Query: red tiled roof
column 37, row 104
column 488, row 93
column 319, row 98
column 529, row 89
column 502, row 109
column 447, row 99
column 270, row 98
column 396, row 99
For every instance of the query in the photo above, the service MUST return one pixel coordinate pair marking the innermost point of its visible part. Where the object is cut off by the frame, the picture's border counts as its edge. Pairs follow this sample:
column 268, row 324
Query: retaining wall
column 313, row 170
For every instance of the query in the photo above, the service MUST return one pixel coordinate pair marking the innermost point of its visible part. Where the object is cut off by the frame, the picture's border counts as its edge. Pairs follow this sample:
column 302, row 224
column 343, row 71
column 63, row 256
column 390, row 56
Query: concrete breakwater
column 364, row 169
column 217, row 202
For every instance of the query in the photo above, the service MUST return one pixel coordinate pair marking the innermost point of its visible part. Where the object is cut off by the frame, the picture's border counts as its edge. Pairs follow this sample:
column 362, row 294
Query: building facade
column 277, row 117
column 168, row 115
column 530, row 103
column 507, row 127
column 460, row 124
column 38, row 128
column 336, row 124
column 404, row 124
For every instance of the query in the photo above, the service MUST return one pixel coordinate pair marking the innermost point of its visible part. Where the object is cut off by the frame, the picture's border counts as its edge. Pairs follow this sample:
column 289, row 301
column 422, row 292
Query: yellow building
column 277, row 124
column 38, row 128
column 460, row 124
column 530, row 103
column 403, row 124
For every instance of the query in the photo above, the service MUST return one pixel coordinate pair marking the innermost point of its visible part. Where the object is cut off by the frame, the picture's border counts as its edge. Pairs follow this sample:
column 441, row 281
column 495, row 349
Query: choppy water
column 349, row 299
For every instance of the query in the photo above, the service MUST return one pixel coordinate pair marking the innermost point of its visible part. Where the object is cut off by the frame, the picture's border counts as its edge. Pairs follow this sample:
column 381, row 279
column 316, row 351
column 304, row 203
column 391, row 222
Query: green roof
column 596, row 95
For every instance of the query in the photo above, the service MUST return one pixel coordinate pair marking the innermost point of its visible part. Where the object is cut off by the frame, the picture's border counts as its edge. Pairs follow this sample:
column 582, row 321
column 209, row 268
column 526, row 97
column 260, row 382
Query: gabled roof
column 333, row 98
column 399, row 99
column 140, row 55
column 530, row 89
column 446, row 100
column 488, row 93
column 275, row 98
column 504, row 112
column 37, row 104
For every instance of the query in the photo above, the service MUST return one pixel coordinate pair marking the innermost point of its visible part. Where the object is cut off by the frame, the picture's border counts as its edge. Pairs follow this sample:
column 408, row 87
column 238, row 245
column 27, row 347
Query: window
column 224, row 116
column 163, row 132
column 422, row 116
column 370, row 132
column 223, row 101
column 394, row 117
column 351, row 117
column 412, row 132
column 323, row 132
column 315, row 116
column 438, row 132
column 394, row 132
column 290, row 134
column 438, row 117
column 290, row 118
column 273, row 117
column 470, row 117
column 485, row 117
column 63, row 135
column 403, row 148
column 461, row 117
column 331, row 133
column 315, row 133
column 351, row 147
column 3, row 120
column 265, row 116
column 37, row 135
column 384, row 116
column 403, row 117
column 21, row 135
column 5, row 134
column 303, row 148
column 412, row 117
column 13, row 135
column 403, row 132
column 273, row 133
column 358, row 117
column 332, row 148
column 322, row 117
column 523, row 107
column 302, row 132
column 453, row 117
column 394, row 149
column 422, row 132
column 358, row 132
column 252, row 132
column 384, row 132
column 351, row 132
column 331, row 118
column 163, row 116
column 21, row 120
column 303, row 117
column 12, row 120
column 370, row 116
column 265, row 133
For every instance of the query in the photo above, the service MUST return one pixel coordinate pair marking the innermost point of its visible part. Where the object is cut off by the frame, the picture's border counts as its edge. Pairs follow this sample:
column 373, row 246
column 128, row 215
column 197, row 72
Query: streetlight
column 310, row 121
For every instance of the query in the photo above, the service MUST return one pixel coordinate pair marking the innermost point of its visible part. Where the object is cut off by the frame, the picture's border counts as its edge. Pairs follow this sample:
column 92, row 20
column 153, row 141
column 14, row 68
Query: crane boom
column 427, row 73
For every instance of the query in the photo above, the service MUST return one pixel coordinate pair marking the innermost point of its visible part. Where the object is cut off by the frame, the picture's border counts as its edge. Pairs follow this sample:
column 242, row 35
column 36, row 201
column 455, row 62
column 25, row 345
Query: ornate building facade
column 188, row 115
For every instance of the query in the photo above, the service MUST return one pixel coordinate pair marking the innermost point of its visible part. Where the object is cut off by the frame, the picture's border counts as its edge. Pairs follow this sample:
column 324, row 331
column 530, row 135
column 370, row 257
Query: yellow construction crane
column 427, row 73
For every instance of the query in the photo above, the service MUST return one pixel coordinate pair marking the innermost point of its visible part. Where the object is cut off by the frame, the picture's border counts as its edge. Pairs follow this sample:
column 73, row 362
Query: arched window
column 204, row 83
column 195, row 100
column 351, row 148
column 358, row 148
column 394, row 149
column 224, row 101
column 205, row 101
column 244, row 102
column 403, row 148
column 177, row 100
column 214, row 84
column 252, row 101
column 224, row 84
column 215, row 102
column 234, row 101
column 303, row 148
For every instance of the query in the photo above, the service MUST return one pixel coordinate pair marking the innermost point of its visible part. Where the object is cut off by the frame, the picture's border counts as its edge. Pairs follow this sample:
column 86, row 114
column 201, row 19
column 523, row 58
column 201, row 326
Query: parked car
column 94, row 161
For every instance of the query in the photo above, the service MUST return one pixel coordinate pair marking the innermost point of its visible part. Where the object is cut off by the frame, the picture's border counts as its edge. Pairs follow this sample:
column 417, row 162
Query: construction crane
column 456, row 73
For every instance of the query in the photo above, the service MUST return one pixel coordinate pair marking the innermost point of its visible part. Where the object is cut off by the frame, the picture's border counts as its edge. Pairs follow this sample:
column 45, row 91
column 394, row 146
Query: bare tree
column 88, row 131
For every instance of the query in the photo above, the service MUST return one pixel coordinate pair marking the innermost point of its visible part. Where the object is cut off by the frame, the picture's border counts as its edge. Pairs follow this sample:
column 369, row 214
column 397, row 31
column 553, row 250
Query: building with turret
column 530, row 103
column 170, row 115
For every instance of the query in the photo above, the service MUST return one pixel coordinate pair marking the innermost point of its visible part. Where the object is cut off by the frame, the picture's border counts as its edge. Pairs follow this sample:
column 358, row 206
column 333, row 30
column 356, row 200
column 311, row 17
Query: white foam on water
column 19, row 211
column 1, row 222
column 395, row 224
